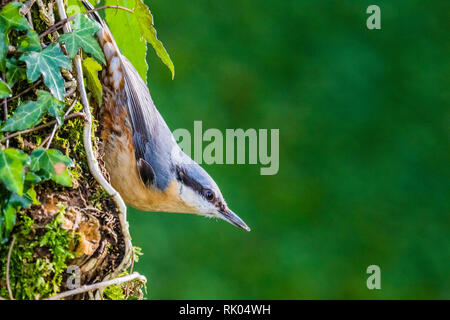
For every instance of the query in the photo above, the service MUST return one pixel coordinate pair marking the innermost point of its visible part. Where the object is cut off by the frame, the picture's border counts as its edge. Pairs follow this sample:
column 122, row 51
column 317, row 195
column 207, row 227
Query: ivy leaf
column 3, row 48
column 91, row 69
column 30, row 177
column 10, row 18
column 29, row 42
column 19, row 201
column 24, row 201
column 12, row 169
column 43, row 175
column 14, row 72
column 122, row 25
column 27, row 115
column 82, row 36
column 10, row 219
column 145, row 22
column 5, row 90
column 54, row 106
column 32, row 195
column 14, row 204
column 52, row 162
column 48, row 63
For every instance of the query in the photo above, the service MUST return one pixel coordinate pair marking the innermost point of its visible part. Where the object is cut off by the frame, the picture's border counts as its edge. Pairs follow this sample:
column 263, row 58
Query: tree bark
column 74, row 241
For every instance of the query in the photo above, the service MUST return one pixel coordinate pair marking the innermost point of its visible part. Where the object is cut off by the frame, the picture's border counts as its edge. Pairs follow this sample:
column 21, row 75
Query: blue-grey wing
column 152, row 139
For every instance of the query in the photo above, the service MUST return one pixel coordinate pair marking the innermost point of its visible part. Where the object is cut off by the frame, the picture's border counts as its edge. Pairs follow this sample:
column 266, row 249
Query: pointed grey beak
column 231, row 217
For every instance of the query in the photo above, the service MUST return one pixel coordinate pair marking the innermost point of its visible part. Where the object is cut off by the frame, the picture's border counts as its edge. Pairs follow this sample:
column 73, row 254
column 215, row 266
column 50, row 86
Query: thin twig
column 62, row 22
column 42, row 126
column 26, row 11
column 55, row 127
column 132, row 262
column 71, row 107
column 7, row 268
column 44, row 142
column 50, row 138
column 34, row 85
column 26, row 7
column 30, row 20
column 99, row 285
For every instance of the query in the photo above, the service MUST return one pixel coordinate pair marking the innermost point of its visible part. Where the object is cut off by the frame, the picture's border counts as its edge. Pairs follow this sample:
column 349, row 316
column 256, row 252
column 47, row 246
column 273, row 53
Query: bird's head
column 200, row 192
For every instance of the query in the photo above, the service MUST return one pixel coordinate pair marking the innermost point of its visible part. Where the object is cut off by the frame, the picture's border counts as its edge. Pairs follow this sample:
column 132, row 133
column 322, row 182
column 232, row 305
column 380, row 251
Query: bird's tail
column 114, row 75
column 104, row 35
column 104, row 31
column 120, row 75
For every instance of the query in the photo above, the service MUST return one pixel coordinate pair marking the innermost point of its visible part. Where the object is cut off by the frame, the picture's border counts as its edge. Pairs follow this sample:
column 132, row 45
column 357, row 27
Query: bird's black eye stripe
column 187, row 180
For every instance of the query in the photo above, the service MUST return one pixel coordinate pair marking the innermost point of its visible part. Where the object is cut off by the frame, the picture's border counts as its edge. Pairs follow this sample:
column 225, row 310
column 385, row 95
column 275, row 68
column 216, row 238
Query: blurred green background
column 364, row 149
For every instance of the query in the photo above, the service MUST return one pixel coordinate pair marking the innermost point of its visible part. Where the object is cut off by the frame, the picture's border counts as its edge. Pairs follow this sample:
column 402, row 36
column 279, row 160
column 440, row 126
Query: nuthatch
column 145, row 164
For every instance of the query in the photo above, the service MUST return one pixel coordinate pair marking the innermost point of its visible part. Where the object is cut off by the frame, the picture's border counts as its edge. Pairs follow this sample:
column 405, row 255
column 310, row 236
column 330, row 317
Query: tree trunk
column 71, row 242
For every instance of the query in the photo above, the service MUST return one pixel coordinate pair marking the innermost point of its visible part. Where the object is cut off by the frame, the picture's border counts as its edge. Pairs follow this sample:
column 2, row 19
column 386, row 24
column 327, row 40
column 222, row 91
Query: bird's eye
column 209, row 195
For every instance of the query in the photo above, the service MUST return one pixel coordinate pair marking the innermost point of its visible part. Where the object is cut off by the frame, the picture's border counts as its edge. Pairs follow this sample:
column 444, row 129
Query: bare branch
column 62, row 22
column 26, row 7
column 56, row 124
column 50, row 138
column 8, row 261
column 96, row 286
column 34, row 85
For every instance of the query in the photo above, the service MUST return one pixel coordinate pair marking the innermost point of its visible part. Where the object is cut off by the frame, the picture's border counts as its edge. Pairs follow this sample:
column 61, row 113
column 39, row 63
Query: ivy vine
column 19, row 171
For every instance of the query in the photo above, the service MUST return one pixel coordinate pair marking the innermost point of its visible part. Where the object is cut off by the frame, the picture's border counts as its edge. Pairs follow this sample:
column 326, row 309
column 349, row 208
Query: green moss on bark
column 38, row 259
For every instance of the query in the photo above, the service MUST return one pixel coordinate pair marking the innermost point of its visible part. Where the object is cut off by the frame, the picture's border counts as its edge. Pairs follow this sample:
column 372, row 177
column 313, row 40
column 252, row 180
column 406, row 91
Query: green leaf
column 3, row 48
column 5, row 90
column 12, row 169
column 29, row 42
column 30, row 177
column 74, row 7
column 82, row 36
column 54, row 106
column 123, row 25
column 23, row 201
column 10, row 218
column 32, row 195
column 54, row 163
column 48, row 63
column 91, row 69
column 14, row 204
column 14, row 72
column 43, row 175
column 145, row 22
column 10, row 18
column 27, row 115
column 63, row 179
column 19, row 201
